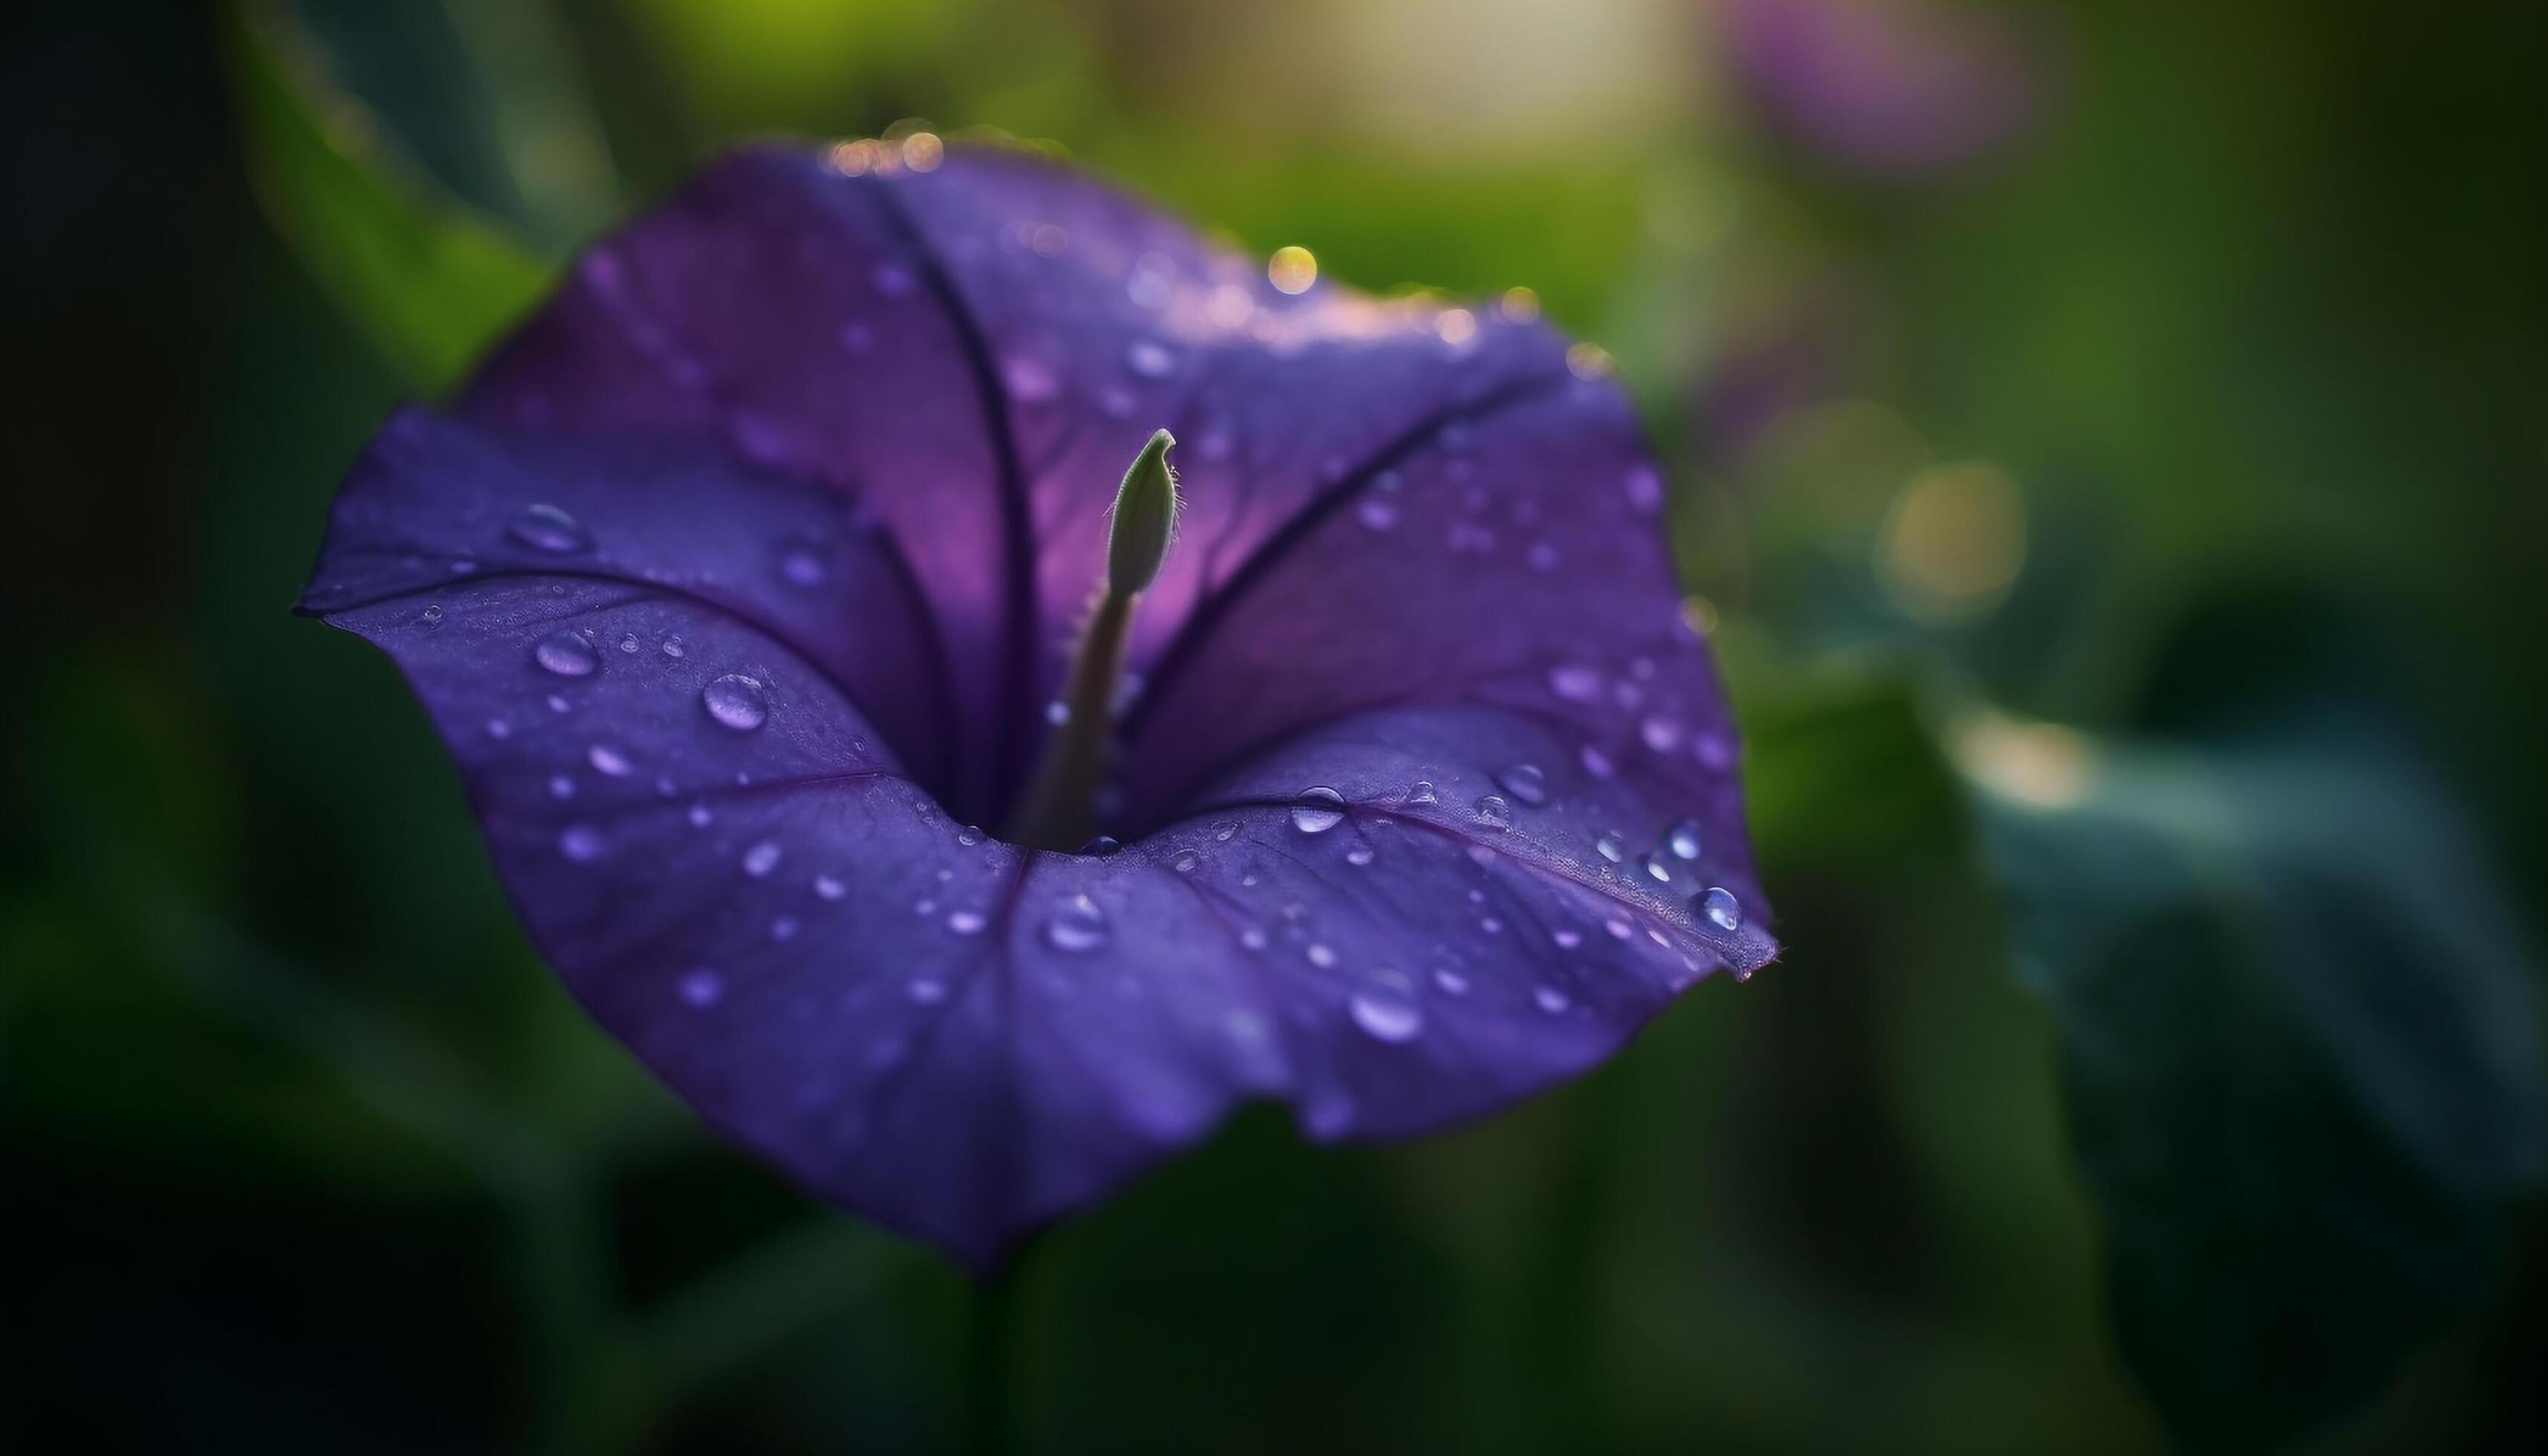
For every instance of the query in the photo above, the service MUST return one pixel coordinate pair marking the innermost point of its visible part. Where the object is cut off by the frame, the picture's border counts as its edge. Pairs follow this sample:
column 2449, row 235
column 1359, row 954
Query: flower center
column 1059, row 809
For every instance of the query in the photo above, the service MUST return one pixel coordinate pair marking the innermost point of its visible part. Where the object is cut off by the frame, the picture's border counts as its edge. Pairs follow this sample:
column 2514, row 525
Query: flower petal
column 736, row 579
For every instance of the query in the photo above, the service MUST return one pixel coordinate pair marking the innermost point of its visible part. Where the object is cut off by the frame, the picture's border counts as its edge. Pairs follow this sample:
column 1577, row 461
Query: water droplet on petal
column 1420, row 792
column 1494, row 812
column 674, row 649
column 1377, row 512
column 1612, row 847
column 1102, row 845
column 1150, row 359
column 608, row 759
column 1452, row 983
column 825, row 887
column 1386, row 1019
column 761, row 859
column 1525, row 782
column 1321, row 954
column 1252, row 937
column 1224, row 828
column 581, row 843
column 1550, row 999
column 1682, row 839
column 702, row 987
column 1359, row 856
column 701, row 817
column 924, row 991
column 966, row 922
column 1566, row 938
column 431, row 615
column 1645, row 488
column 1076, row 926
column 1318, row 810
column 567, row 655
column 1658, row 868
column 1575, row 683
column 1660, row 734
column 561, row 786
column 547, row 528
column 738, row 701
column 1720, row 907
column 1185, row 862
column 800, row 564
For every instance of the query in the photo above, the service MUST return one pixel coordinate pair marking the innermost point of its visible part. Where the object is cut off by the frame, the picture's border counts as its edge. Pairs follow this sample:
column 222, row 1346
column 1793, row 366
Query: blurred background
column 2109, row 441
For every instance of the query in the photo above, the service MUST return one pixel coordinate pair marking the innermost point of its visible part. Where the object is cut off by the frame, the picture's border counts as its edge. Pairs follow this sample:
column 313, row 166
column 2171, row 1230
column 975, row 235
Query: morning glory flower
column 855, row 529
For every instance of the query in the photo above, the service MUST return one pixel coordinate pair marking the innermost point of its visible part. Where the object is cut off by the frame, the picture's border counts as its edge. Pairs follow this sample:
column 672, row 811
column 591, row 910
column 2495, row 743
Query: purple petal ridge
column 737, row 579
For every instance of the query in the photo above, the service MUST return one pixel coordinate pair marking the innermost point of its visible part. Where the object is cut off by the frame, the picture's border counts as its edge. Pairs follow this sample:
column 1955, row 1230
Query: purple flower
column 740, row 579
column 1885, row 86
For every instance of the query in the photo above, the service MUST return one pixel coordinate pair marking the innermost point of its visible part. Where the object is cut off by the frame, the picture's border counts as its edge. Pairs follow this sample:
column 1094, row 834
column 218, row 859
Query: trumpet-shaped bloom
column 739, row 581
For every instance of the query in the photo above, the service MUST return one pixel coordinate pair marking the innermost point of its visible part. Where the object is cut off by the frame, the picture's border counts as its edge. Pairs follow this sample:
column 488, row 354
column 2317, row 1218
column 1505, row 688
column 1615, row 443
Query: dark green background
column 2191, row 1101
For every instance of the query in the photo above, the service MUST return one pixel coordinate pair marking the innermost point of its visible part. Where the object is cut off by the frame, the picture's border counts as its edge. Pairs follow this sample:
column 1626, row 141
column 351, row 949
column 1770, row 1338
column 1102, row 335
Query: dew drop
column 674, row 649
column 1597, row 762
column 701, row 817
column 1386, row 1019
column 1452, row 983
column 1077, row 927
column 1223, row 830
column 1102, row 845
column 1682, row 839
column 1525, row 782
column 608, row 759
column 1494, row 812
column 800, row 564
column 1185, row 862
column 581, row 843
column 567, row 655
column 924, row 992
column 738, row 701
column 1619, row 929
column 1377, row 512
column 547, row 528
column 1359, row 856
column 1566, row 938
column 1550, row 999
column 1150, row 359
column 1720, row 907
column 761, row 859
column 1658, row 868
column 702, row 988
column 828, row 889
column 1252, row 937
column 1318, row 810
column 783, row 928
column 1660, row 734
column 1574, row 681
column 965, row 922
column 1612, row 847
column 1644, row 488
column 561, row 786
column 1420, row 792
column 1321, row 954
column 432, row 614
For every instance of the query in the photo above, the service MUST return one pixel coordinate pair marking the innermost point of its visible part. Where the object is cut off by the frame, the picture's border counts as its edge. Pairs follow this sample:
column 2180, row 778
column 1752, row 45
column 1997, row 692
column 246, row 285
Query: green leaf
column 430, row 283
column 2297, row 1044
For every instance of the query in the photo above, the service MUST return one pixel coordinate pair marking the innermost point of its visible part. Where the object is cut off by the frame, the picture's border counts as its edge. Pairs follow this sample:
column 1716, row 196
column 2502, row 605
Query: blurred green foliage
column 2164, row 1077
